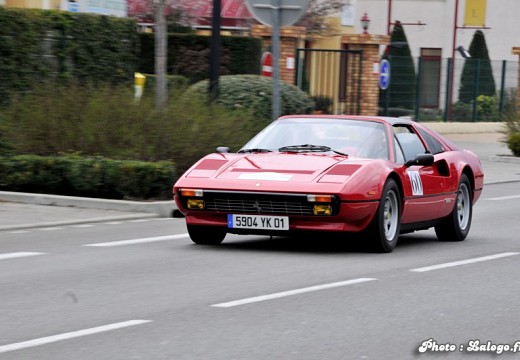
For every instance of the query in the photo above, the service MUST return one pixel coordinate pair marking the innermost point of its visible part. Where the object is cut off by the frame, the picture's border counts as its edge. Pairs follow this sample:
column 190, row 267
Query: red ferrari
column 378, row 176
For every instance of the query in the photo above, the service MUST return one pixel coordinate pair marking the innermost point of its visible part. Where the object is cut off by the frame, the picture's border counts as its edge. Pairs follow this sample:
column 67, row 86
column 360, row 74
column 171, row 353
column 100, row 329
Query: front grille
column 257, row 203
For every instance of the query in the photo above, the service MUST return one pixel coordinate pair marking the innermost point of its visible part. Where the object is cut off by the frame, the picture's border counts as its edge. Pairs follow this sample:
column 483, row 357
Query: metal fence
column 451, row 91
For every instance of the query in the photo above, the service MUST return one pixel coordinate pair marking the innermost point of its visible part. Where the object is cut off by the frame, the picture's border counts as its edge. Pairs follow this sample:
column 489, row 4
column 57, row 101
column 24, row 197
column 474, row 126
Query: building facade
column 431, row 24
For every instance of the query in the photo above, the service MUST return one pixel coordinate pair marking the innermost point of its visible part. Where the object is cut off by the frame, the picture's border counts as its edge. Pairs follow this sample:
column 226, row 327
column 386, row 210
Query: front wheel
column 456, row 226
column 206, row 235
column 386, row 225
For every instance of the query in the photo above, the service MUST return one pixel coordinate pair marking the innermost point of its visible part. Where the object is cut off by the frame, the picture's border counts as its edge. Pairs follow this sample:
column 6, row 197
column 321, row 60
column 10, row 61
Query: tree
column 402, row 74
column 314, row 18
column 161, row 50
column 472, row 84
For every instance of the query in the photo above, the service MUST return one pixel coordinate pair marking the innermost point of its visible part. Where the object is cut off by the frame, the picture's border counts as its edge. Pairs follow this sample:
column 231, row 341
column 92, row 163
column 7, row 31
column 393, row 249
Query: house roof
column 230, row 9
column 233, row 12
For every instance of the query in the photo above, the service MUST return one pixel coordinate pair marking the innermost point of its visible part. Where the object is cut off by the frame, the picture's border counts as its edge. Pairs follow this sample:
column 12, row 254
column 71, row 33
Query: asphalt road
column 139, row 289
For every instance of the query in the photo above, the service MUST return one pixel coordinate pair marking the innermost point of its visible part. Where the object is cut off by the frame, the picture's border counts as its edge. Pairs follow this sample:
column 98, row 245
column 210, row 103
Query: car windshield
column 352, row 137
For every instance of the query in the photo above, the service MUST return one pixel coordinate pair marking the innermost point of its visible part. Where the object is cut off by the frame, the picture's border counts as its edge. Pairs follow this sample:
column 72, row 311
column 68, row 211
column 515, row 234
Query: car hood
column 277, row 167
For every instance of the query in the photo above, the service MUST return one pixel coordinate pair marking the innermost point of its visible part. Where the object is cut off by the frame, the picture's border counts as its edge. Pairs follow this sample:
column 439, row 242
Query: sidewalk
column 22, row 210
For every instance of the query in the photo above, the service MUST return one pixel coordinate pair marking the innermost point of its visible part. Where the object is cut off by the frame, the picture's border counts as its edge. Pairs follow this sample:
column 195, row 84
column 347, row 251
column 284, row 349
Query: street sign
column 276, row 13
column 290, row 10
column 384, row 74
column 267, row 64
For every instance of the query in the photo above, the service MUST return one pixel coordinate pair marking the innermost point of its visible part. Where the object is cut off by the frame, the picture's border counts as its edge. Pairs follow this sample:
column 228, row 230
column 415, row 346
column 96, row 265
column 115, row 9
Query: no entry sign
column 267, row 64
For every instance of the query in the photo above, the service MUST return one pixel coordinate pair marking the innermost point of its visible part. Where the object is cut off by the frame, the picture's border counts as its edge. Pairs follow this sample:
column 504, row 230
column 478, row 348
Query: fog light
column 195, row 204
column 322, row 209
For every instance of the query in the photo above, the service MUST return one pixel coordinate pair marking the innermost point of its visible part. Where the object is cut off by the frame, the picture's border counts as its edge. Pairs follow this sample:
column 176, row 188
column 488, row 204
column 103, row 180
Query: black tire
column 206, row 235
column 384, row 229
column 456, row 226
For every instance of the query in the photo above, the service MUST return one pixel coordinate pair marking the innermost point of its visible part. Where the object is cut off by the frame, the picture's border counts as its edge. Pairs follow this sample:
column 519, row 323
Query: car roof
column 387, row 119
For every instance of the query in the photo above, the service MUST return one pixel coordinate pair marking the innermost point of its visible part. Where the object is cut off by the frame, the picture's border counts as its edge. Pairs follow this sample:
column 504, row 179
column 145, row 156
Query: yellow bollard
column 139, row 80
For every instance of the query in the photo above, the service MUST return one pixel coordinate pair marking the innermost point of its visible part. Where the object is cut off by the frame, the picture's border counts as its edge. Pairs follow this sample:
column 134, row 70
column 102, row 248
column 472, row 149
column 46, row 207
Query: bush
column 511, row 118
column 175, row 83
column 106, row 121
column 322, row 103
column 462, row 112
column 255, row 92
column 90, row 177
column 513, row 141
column 487, row 108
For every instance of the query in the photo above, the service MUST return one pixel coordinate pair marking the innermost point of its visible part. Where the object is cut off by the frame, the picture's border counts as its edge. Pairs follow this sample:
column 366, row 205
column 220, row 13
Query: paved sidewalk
column 21, row 210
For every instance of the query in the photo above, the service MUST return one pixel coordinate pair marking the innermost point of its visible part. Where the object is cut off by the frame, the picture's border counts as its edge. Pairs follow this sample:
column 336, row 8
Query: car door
column 424, row 187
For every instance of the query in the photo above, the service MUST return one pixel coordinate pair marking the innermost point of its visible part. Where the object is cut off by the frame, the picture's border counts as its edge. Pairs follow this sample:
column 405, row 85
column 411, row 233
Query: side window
column 408, row 141
column 434, row 145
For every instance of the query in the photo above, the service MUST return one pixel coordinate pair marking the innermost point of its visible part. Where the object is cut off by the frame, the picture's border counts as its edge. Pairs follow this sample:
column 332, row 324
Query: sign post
column 276, row 13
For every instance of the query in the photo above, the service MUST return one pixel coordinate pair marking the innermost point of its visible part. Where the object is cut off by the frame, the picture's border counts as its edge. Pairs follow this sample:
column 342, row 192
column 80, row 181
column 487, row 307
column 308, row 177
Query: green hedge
column 90, row 177
column 39, row 44
column 254, row 92
column 188, row 55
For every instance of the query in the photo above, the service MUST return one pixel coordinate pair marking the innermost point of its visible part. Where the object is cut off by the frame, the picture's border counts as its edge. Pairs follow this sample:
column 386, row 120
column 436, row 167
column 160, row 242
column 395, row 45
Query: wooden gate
column 333, row 74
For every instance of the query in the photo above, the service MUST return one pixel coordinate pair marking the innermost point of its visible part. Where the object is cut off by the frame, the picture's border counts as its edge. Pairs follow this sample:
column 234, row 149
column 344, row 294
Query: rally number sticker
column 415, row 180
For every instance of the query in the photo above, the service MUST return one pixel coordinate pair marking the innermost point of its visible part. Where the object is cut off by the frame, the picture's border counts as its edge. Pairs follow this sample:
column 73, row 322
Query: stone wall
column 369, row 44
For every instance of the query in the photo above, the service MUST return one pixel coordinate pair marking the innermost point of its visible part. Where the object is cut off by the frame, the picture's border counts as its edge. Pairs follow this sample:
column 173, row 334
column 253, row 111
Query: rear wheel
column 456, row 226
column 385, row 227
column 206, row 235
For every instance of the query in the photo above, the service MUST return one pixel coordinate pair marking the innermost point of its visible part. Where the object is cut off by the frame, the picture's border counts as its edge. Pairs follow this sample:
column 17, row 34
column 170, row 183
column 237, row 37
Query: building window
column 430, row 77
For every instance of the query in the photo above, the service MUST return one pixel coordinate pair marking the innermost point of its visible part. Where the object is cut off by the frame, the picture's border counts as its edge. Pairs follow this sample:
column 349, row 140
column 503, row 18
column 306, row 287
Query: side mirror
column 222, row 149
column 420, row 160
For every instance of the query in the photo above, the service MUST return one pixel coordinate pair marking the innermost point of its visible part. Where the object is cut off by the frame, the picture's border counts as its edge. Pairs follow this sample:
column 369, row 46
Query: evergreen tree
column 402, row 74
column 479, row 58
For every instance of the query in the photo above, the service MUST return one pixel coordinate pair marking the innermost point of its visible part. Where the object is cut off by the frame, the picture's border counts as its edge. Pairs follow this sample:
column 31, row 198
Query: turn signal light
column 319, row 198
column 195, row 204
column 322, row 209
column 192, row 192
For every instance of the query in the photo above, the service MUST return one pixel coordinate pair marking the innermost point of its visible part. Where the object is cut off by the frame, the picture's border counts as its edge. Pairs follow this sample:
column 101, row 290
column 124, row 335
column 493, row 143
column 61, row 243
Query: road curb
column 158, row 208
column 136, row 216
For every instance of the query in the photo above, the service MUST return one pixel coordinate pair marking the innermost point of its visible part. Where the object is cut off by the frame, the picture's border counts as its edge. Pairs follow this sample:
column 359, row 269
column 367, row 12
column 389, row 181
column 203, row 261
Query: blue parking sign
column 384, row 74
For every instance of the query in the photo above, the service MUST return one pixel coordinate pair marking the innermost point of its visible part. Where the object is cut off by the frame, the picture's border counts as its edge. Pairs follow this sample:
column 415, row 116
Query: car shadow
column 350, row 243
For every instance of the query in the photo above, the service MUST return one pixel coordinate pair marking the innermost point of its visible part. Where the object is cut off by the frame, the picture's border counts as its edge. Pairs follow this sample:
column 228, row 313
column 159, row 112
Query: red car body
column 346, row 190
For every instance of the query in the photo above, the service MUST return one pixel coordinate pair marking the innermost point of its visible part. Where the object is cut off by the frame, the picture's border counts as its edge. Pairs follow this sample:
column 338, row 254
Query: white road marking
column 114, row 223
column 51, row 228
column 139, row 241
column 139, row 220
column 18, row 232
column 83, row 225
column 18, row 255
column 464, row 262
column 504, row 198
column 292, row 292
column 69, row 335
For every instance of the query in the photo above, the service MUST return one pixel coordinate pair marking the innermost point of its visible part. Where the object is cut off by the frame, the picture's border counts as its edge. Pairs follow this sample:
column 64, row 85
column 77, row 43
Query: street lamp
column 365, row 21
column 463, row 52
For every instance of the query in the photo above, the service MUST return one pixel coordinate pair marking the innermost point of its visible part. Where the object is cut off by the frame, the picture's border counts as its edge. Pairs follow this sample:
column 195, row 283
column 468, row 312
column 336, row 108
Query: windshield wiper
column 254, row 150
column 309, row 148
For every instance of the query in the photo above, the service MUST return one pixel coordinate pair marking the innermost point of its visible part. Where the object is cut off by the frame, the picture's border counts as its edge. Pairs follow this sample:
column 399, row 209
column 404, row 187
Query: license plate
column 259, row 222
